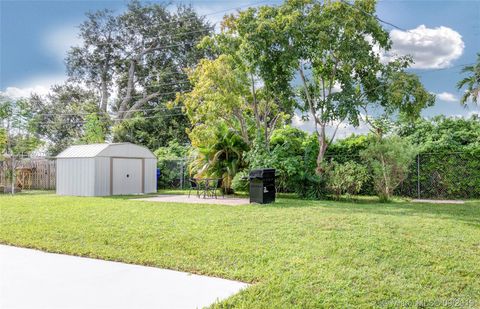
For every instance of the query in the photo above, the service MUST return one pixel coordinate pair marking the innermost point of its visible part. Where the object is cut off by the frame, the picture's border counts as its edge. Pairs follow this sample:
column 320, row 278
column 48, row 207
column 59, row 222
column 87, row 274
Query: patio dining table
column 206, row 184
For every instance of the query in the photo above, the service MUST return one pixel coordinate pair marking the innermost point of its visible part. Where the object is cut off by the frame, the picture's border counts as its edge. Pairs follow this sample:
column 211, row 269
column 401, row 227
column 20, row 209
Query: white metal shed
column 106, row 169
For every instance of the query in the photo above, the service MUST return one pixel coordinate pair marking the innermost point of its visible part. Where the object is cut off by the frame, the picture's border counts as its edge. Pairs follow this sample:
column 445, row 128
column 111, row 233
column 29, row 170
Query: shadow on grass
column 29, row 192
column 468, row 212
column 160, row 193
column 129, row 197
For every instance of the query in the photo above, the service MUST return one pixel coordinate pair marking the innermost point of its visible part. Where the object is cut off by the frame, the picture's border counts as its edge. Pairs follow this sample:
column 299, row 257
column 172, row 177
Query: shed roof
column 106, row 150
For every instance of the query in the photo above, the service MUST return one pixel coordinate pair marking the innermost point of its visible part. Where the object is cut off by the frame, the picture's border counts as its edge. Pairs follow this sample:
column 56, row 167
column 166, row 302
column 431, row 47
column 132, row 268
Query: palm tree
column 472, row 82
column 222, row 159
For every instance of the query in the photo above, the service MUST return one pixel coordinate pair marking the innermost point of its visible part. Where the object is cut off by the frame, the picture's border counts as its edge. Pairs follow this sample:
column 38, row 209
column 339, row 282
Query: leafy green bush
column 347, row 178
column 293, row 137
column 310, row 186
column 449, row 157
column 445, row 133
column 286, row 157
column 239, row 184
column 349, row 148
column 389, row 160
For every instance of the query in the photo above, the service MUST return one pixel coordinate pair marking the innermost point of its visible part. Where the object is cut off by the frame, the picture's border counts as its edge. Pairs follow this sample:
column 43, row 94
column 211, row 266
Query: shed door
column 127, row 176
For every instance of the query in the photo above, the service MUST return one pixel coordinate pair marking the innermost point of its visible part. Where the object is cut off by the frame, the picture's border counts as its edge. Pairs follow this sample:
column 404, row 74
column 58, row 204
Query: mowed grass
column 304, row 254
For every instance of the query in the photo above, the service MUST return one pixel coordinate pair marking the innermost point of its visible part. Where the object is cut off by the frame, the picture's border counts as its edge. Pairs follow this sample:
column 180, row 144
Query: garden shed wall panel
column 76, row 176
column 150, row 175
column 102, row 176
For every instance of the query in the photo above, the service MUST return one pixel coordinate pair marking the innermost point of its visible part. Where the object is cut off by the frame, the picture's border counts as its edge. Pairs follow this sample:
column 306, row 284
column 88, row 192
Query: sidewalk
column 35, row 279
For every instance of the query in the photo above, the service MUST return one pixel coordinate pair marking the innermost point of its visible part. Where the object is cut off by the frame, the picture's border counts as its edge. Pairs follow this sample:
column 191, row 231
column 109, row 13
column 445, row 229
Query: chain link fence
column 173, row 174
column 453, row 175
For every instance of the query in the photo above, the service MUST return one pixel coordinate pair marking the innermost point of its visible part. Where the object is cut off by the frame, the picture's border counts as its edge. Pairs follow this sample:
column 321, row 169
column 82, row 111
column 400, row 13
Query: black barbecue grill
column 262, row 186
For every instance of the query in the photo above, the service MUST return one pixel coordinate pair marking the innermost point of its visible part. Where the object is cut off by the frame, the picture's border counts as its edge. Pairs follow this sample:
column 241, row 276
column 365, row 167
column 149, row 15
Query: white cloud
column 59, row 40
column 447, row 97
column 17, row 93
column 39, row 85
column 473, row 113
column 431, row 48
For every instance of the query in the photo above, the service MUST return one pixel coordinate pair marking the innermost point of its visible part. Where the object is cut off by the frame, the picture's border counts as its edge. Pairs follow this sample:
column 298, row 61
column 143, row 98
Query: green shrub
column 285, row 157
column 347, row 178
column 449, row 158
column 239, row 184
column 310, row 186
column 389, row 160
column 290, row 136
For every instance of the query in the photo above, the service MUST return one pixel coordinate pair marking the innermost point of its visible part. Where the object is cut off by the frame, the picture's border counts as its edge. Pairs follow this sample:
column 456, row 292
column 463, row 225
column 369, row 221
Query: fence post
column 181, row 175
column 418, row 175
column 48, row 175
column 13, row 174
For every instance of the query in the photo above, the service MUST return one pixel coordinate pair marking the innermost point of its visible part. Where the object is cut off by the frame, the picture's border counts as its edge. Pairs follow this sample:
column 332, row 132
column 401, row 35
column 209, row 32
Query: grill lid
column 260, row 173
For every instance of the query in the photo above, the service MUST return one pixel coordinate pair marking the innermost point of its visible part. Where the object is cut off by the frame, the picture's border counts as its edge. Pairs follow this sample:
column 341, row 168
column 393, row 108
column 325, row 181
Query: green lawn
column 304, row 254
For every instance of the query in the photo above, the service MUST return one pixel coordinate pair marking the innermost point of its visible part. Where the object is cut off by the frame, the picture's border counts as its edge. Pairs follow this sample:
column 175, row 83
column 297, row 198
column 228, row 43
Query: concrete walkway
column 438, row 201
column 193, row 199
column 35, row 279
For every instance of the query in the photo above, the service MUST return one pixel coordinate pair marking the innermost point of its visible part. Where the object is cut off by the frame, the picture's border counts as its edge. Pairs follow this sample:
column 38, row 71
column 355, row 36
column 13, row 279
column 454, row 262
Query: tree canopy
column 321, row 55
column 141, row 54
column 17, row 132
column 62, row 116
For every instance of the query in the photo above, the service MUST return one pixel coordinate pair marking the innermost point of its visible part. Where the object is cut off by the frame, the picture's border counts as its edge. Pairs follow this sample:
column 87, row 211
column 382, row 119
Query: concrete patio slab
column 193, row 199
column 438, row 201
column 35, row 279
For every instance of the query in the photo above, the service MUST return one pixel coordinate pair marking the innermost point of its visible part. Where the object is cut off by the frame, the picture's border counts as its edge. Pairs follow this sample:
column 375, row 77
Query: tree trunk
column 322, row 149
column 128, row 96
column 138, row 104
column 255, row 103
column 265, row 120
column 385, row 178
column 105, row 95
column 322, row 143
column 243, row 125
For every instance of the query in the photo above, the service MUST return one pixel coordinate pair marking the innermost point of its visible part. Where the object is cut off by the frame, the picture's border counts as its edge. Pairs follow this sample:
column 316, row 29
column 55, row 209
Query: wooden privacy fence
column 30, row 173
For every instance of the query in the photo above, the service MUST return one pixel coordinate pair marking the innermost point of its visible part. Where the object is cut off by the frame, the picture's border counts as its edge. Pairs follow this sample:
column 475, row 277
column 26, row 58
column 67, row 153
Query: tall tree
column 142, row 53
column 396, row 93
column 62, row 114
column 471, row 82
column 94, row 61
column 265, row 81
column 222, row 94
column 153, row 129
column 94, row 131
column 328, row 48
column 17, row 131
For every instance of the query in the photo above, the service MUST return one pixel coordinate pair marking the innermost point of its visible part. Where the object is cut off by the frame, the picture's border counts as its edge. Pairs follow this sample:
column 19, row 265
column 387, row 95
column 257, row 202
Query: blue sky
column 36, row 34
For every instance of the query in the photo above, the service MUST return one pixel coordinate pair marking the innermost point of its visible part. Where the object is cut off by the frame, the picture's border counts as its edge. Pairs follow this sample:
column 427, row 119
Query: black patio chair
column 194, row 186
column 218, row 186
